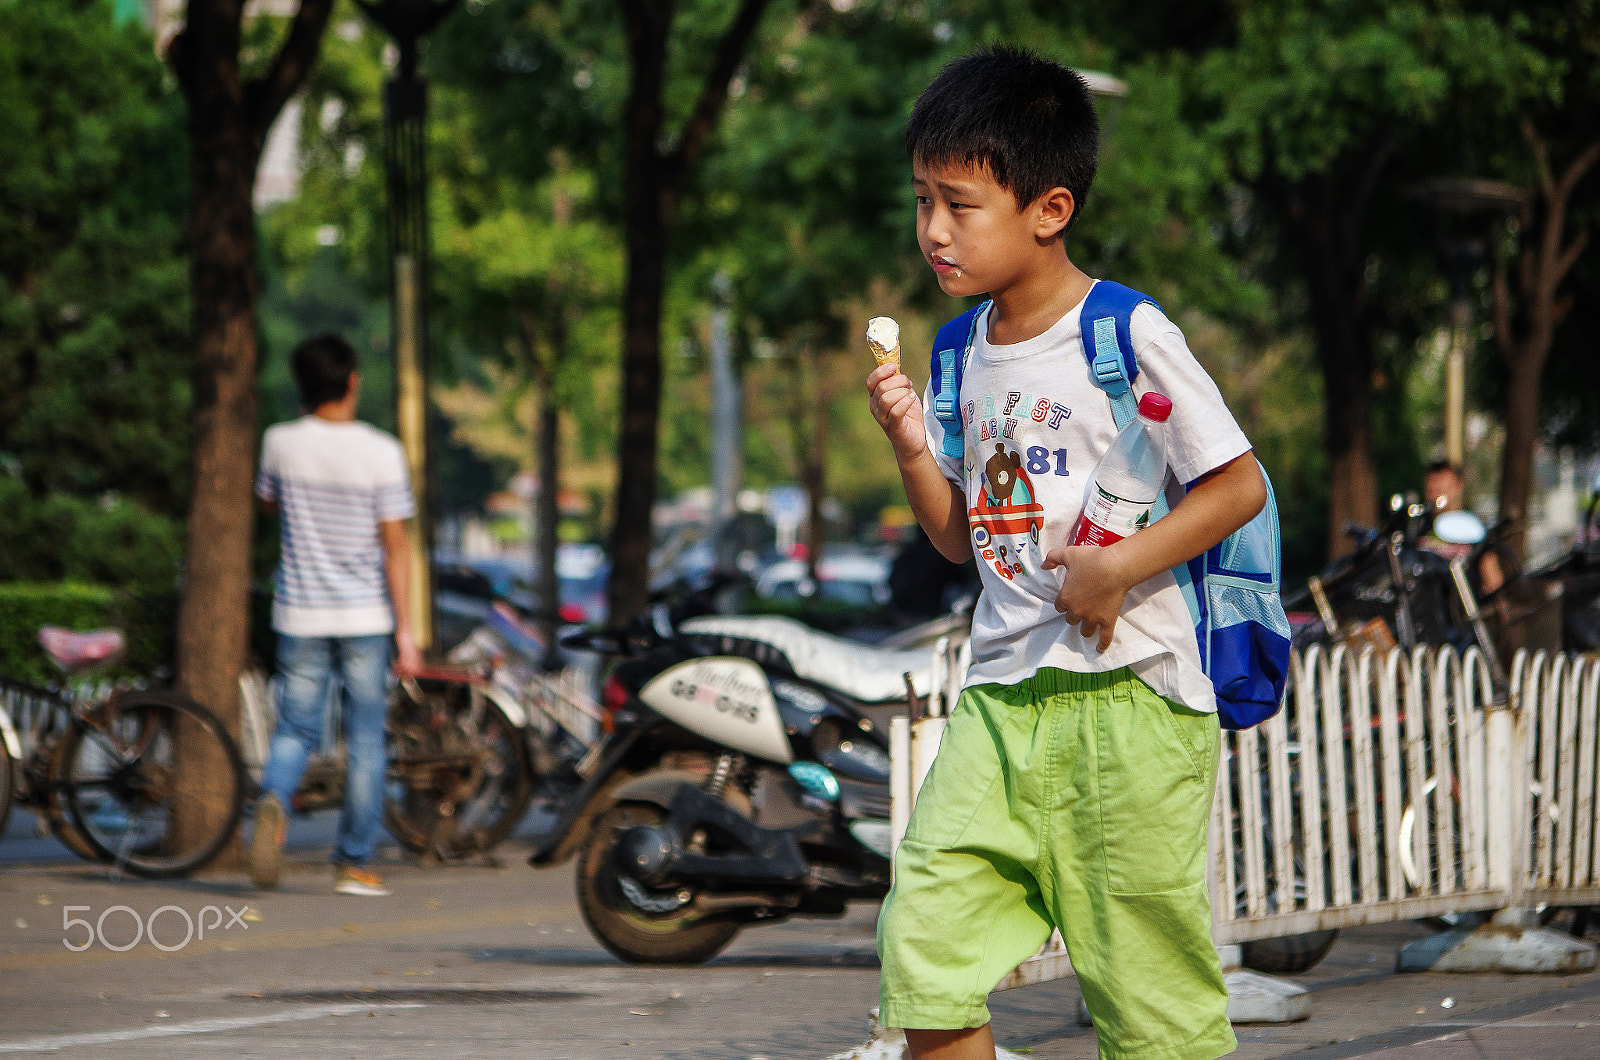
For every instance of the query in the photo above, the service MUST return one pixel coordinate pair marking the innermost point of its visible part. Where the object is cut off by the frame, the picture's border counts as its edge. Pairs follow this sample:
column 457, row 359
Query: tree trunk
column 652, row 179
column 646, row 205
column 1543, row 264
column 1323, row 217
column 1522, row 434
column 1345, row 356
column 213, row 617
column 228, row 122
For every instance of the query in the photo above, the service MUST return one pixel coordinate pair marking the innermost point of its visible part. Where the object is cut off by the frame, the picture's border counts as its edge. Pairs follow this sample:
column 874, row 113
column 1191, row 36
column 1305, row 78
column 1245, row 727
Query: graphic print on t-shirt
column 1003, row 463
column 1006, row 512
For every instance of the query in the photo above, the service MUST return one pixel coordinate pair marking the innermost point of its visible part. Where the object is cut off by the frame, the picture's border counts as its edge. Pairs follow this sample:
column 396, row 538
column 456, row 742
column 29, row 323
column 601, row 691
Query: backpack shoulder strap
column 1108, row 344
column 1106, row 324
column 951, row 346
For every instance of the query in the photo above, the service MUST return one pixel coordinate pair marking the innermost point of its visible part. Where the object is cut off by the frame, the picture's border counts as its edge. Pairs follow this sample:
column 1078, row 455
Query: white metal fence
column 1391, row 786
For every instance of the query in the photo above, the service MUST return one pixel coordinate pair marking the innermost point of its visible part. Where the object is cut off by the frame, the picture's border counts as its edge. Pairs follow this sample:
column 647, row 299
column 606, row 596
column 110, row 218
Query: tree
column 806, row 188
column 1314, row 103
column 230, row 112
column 1530, row 293
column 657, row 162
column 93, row 328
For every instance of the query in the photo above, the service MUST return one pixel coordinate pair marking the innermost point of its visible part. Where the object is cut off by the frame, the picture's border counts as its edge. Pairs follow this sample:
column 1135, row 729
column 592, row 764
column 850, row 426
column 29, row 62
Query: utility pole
column 405, row 113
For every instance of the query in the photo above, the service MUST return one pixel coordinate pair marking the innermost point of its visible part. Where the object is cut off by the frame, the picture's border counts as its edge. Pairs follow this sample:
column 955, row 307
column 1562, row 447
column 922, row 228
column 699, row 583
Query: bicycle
column 100, row 763
column 458, row 777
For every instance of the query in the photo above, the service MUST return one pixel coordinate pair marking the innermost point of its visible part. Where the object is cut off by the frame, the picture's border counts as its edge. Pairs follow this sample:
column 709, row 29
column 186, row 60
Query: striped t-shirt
column 334, row 482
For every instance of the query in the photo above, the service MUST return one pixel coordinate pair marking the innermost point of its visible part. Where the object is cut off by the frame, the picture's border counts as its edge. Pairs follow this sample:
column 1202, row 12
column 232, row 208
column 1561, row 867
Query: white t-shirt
column 334, row 483
column 1037, row 402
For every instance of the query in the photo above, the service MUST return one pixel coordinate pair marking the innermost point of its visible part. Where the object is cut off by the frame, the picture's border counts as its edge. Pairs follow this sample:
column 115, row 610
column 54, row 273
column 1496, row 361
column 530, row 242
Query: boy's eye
column 923, row 200
column 958, row 206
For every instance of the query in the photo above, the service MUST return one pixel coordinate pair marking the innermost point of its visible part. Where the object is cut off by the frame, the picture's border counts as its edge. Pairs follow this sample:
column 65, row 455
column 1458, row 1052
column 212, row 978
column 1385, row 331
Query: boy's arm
column 1097, row 579
column 938, row 503
column 397, row 567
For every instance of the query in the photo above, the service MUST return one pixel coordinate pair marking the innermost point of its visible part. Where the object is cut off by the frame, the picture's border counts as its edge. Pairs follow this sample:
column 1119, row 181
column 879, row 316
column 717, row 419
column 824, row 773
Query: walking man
column 341, row 490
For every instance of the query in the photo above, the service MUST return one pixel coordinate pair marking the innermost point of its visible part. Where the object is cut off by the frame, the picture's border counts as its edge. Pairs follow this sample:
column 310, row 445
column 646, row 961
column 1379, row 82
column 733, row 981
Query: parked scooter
column 1394, row 591
column 743, row 778
column 1577, row 572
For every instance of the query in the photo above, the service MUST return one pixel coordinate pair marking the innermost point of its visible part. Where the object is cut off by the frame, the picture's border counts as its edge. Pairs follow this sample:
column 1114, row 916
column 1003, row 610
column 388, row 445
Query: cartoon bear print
column 1001, row 473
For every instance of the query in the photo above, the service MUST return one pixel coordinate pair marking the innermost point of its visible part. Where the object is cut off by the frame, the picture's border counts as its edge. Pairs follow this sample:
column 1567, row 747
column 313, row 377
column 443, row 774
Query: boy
column 1074, row 781
column 343, row 492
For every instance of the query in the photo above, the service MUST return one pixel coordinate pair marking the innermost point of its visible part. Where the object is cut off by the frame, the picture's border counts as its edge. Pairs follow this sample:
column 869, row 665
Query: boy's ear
column 1055, row 209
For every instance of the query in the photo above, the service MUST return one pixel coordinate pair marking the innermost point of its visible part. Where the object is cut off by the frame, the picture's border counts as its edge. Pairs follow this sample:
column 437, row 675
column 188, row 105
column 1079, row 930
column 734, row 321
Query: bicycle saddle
column 75, row 652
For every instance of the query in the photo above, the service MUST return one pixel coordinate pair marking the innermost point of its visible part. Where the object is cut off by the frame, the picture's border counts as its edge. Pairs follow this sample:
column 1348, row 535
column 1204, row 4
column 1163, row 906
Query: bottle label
column 1108, row 519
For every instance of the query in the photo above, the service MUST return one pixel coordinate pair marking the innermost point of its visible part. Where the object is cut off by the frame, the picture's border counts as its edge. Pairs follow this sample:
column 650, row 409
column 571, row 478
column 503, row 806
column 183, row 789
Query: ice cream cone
column 883, row 339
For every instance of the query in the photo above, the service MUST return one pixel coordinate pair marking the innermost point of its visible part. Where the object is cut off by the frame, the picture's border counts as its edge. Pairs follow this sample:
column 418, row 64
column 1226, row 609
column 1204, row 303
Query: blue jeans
column 307, row 668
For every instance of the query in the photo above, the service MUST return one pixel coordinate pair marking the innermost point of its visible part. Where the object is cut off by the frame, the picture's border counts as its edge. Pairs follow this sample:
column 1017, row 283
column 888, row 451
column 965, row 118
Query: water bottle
column 1126, row 481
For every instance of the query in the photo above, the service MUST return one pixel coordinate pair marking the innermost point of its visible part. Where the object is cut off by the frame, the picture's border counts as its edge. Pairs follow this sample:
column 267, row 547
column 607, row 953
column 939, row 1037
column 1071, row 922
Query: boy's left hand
column 1092, row 589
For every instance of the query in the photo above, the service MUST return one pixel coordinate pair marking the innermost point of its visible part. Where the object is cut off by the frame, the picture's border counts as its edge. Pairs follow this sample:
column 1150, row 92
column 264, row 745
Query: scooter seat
column 871, row 675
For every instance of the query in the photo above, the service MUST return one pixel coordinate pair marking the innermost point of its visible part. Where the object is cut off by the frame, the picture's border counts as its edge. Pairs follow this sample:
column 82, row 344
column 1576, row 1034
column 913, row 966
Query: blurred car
column 467, row 587
column 846, row 579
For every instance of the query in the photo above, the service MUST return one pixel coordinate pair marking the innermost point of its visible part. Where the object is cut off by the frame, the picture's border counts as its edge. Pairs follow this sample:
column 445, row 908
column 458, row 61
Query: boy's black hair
column 322, row 368
column 1031, row 121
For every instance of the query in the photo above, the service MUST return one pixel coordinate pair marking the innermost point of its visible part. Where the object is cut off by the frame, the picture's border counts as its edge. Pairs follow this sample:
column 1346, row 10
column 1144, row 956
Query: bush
column 110, row 541
column 25, row 606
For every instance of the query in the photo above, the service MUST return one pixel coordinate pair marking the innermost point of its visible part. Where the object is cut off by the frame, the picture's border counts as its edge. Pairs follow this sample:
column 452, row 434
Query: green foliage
column 94, row 390
column 111, row 540
column 1237, row 114
column 1312, row 82
column 26, row 606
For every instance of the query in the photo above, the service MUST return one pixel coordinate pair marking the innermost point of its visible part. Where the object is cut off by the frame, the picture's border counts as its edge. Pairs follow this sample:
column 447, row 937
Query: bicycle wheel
column 121, row 773
column 43, row 714
column 459, row 780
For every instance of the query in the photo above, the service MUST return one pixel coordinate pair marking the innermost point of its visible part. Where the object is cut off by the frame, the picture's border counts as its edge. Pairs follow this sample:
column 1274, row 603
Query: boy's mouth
column 943, row 266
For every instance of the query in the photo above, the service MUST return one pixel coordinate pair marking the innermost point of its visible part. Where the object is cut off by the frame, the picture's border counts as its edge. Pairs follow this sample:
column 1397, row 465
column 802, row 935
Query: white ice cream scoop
column 883, row 339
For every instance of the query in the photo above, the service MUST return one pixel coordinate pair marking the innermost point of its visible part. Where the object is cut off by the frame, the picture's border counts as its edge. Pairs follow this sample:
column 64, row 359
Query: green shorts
column 1078, row 801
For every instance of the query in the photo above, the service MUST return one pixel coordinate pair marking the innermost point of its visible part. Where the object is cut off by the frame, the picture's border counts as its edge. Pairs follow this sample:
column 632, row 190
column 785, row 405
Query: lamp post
column 1460, row 205
column 405, row 112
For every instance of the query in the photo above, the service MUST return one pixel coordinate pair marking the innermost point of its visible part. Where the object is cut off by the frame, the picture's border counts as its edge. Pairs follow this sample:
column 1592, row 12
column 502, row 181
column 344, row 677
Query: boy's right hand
column 898, row 410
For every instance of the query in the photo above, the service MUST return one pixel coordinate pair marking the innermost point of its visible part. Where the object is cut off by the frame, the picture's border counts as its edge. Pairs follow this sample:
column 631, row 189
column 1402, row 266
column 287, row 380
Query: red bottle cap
column 1154, row 406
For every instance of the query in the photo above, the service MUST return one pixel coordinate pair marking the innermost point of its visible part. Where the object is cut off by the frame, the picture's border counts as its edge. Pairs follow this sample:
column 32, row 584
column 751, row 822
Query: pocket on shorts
column 959, row 781
column 1156, row 766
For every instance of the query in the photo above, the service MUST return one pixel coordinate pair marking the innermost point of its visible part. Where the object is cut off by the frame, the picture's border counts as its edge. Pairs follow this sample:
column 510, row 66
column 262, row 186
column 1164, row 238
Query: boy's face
column 972, row 231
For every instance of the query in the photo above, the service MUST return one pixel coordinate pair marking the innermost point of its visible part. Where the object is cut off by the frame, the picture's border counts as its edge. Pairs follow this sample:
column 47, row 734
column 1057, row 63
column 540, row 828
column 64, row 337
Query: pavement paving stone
column 794, row 991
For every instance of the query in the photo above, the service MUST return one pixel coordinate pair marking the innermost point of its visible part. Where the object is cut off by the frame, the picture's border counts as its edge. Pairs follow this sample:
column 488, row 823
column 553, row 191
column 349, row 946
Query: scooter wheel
column 1289, row 954
column 638, row 924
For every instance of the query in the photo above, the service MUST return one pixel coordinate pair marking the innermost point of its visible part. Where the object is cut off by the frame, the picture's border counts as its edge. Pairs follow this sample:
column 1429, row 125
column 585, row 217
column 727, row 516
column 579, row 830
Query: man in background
column 341, row 489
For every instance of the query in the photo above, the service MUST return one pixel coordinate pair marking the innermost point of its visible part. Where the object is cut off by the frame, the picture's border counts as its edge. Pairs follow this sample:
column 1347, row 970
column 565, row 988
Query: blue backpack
column 1238, row 615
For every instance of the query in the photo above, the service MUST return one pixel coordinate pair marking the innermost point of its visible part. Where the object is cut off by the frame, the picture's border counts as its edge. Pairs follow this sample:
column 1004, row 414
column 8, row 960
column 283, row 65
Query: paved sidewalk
column 494, row 961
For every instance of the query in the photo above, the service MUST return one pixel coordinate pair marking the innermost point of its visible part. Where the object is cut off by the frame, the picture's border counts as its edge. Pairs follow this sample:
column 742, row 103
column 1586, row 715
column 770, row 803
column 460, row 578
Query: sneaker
column 348, row 879
column 266, row 843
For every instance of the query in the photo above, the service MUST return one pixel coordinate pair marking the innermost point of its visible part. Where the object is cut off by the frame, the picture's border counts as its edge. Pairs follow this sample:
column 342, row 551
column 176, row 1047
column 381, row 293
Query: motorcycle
column 1577, row 573
column 742, row 778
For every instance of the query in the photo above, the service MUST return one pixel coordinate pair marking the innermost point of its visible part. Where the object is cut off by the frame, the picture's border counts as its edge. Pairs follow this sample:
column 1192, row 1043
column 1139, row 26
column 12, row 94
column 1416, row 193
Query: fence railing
column 1390, row 787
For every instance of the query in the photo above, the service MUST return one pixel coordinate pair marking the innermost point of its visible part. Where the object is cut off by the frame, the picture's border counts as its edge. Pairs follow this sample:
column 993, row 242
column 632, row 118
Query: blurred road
column 488, row 960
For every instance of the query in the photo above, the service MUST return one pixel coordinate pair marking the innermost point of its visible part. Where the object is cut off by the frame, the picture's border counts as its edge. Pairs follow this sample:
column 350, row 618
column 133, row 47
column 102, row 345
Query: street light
column 405, row 112
column 1460, row 203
